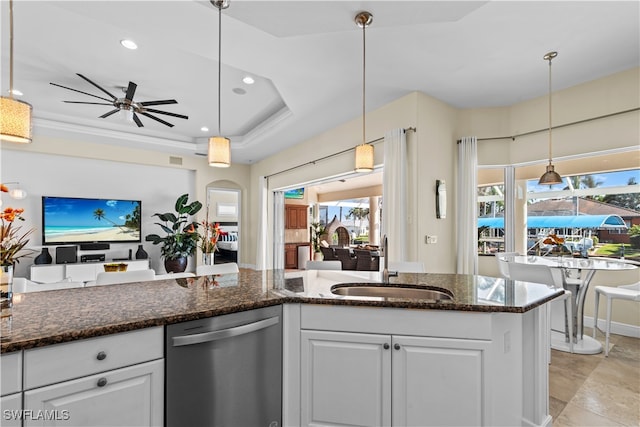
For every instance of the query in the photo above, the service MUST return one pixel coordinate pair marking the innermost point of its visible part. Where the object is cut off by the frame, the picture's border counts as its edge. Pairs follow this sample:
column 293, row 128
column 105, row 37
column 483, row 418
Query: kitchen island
column 492, row 332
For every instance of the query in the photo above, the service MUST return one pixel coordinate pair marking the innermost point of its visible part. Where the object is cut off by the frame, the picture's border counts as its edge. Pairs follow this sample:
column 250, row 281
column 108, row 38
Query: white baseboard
column 616, row 327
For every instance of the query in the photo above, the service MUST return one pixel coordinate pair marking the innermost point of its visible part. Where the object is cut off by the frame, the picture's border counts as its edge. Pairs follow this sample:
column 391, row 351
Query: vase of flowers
column 181, row 234
column 12, row 249
column 209, row 241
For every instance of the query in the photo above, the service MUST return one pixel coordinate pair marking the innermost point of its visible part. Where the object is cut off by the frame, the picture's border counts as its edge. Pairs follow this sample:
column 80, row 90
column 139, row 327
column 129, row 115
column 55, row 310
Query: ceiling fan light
column 126, row 114
column 15, row 121
column 550, row 177
column 219, row 152
column 364, row 158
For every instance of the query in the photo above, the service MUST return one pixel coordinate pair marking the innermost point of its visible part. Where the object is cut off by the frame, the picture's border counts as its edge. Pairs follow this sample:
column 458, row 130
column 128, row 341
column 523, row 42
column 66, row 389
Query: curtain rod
column 513, row 137
column 313, row 162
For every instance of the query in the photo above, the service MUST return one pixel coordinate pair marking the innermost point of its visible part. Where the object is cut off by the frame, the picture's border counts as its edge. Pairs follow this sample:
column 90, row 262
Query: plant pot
column 209, row 258
column 318, row 256
column 178, row 265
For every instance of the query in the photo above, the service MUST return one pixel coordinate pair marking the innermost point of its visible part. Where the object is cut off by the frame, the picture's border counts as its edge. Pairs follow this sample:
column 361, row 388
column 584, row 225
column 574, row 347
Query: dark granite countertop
column 50, row 317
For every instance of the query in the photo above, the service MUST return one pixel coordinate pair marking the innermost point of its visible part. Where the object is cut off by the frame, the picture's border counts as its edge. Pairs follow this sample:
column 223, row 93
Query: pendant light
column 15, row 116
column 550, row 177
column 364, row 151
column 219, row 146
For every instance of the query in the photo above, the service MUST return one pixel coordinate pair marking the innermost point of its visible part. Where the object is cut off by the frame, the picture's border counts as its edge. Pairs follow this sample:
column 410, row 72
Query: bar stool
column 626, row 292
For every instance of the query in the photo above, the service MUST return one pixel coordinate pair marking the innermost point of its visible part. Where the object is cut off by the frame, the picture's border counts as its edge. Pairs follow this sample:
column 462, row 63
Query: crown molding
column 110, row 134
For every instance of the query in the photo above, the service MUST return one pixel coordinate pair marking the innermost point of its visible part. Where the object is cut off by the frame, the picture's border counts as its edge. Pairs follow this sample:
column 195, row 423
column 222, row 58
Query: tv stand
column 78, row 272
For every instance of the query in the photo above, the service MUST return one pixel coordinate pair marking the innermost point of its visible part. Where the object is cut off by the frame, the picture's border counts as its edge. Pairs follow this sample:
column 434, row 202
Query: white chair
column 118, row 277
column 323, row 265
column 538, row 273
column 503, row 258
column 406, row 266
column 21, row 285
column 626, row 292
column 173, row 276
column 226, row 268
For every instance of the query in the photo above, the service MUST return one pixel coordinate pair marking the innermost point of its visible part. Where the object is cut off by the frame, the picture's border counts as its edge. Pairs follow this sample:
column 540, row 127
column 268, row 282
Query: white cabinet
column 79, row 272
column 432, row 376
column 394, row 367
column 352, row 379
column 11, row 406
column 115, row 380
column 10, row 388
column 130, row 396
column 346, row 379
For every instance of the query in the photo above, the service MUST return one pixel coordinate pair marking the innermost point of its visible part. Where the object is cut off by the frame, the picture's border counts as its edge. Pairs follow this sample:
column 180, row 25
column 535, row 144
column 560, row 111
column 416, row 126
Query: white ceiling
column 306, row 57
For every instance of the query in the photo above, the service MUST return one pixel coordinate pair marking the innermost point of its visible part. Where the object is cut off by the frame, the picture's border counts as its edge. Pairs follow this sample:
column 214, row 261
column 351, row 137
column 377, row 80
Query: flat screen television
column 297, row 193
column 74, row 220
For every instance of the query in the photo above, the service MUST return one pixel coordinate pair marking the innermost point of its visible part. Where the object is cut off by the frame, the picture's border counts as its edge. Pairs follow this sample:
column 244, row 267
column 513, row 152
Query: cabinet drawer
column 11, row 407
column 10, row 373
column 61, row 362
column 131, row 396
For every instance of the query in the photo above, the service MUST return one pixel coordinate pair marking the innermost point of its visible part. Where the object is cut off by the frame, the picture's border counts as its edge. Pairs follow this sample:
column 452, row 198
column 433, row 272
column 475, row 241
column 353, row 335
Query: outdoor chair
column 348, row 261
column 328, row 254
column 626, row 292
column 366, row 261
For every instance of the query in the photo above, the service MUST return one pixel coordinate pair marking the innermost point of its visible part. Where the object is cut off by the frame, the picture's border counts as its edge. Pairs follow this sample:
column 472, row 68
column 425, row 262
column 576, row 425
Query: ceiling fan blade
column 130, row 91
column 91, row 103
column 161, row 102
column 180, row 116
column 156, row 119
column 109, row 113
column 137, row 120
column 79, row 91
column 96, row 85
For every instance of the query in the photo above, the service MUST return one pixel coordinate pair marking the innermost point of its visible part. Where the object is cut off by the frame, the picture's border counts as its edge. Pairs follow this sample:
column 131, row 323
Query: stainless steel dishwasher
column 225, row 371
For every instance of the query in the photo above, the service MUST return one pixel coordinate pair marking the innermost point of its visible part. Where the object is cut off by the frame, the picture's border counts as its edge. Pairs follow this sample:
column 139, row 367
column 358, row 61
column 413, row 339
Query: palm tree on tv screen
column 99, row 215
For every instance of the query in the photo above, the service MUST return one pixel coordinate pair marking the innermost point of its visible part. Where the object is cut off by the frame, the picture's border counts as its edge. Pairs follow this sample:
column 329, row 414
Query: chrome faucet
column 385, row 272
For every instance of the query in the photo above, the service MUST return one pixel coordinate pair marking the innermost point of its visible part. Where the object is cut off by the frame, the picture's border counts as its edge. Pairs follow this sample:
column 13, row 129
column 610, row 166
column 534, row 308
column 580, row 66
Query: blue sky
column 609, row 179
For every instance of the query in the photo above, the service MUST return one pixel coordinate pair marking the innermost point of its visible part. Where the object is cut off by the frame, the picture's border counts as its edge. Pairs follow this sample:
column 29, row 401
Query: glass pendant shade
column 15, row 121
column 550, row 177
column 364, row 158
column 219, row 152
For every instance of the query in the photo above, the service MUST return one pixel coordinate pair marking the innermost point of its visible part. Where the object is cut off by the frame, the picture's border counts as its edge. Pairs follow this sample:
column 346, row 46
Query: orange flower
column 4, row 188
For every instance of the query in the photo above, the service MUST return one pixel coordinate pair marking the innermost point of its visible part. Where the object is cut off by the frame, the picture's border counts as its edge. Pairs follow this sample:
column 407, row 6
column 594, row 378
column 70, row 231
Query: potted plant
column 317, row 230
column 181, row 238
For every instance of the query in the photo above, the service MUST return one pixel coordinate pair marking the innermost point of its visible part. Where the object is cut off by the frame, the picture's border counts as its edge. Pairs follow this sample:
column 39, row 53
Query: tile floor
column 593, row 390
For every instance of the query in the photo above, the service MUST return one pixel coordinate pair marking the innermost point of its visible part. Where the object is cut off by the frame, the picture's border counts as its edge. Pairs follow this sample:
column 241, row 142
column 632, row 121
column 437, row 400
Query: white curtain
column 261, row 249
column 394, row 194
column 466, row 206
column 278, row 230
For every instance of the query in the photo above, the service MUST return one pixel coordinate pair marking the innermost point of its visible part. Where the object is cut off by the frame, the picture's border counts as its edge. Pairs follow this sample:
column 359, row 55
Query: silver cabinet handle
column 225, row 333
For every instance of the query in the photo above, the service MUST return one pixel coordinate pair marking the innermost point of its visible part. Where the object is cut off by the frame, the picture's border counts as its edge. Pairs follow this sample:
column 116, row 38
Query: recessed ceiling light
column 15, row 92
column 248, row 80
column 129, row 44
column 204, row 129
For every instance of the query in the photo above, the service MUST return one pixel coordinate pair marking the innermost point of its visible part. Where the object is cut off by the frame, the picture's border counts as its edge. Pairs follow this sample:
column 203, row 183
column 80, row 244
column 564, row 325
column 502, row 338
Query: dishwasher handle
column 225, row 333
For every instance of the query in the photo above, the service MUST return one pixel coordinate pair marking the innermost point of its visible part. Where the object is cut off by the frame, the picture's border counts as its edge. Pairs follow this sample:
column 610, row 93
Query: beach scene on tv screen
column 90, row 220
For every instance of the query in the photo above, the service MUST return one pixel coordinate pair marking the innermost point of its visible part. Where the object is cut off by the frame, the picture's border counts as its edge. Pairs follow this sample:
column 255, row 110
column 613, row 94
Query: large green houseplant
column 181, row 238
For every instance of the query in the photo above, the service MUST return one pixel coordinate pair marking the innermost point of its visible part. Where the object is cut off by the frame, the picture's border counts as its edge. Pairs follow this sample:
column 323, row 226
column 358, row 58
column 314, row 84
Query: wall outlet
column 430, row 239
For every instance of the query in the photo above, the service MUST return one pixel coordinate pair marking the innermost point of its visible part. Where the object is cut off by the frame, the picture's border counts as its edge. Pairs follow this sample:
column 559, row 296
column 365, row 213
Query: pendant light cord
column 219, row 64
column 550, row 127
column 364, row 68
column 11, row 49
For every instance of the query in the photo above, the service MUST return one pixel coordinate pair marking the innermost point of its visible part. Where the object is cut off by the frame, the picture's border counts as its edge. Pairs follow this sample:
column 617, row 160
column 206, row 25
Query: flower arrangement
column 12, row 243
column 557, row 242
column 210, row 236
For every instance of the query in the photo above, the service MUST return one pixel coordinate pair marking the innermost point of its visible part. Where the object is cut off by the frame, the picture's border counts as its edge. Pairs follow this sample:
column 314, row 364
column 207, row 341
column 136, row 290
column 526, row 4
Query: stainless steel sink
column 392, row 291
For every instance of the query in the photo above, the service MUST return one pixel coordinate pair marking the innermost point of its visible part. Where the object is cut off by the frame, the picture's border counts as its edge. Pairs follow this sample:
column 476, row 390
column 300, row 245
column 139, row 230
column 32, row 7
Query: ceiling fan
column 127, row 105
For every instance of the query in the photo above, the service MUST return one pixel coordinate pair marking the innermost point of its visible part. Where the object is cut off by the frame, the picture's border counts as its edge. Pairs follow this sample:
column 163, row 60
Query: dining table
column 577, row 274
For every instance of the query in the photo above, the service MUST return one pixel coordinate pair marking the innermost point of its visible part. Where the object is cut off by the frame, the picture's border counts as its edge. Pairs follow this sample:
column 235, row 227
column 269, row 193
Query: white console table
column 79, row 272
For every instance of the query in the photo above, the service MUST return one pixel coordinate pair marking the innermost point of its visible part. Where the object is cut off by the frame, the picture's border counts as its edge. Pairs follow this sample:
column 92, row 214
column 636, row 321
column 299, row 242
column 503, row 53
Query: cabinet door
column 345, row 379
column 302, row 215
column 131, row 396
column 291, row 217
column 290, row 257
column 437, row 381
column 11, row 408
